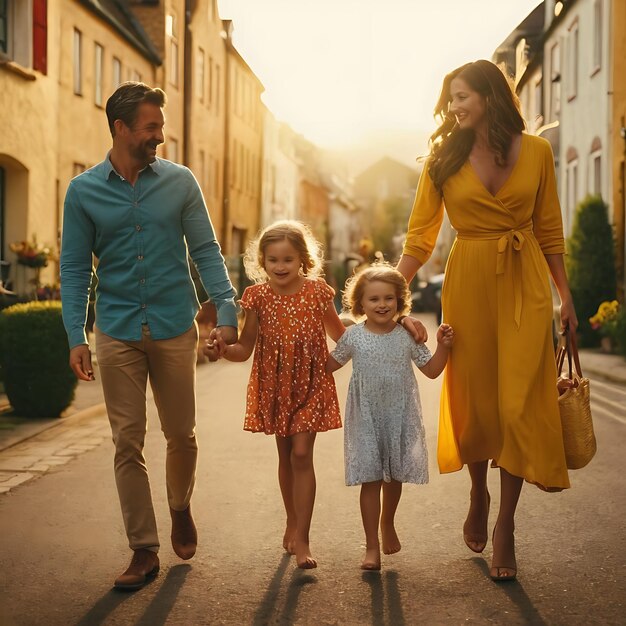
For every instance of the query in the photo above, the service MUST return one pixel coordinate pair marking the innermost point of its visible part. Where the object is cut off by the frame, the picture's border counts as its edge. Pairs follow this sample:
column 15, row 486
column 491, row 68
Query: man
column 140, row 216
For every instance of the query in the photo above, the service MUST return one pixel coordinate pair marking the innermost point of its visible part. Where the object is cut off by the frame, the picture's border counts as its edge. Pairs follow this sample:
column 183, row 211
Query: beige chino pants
column 125, row 367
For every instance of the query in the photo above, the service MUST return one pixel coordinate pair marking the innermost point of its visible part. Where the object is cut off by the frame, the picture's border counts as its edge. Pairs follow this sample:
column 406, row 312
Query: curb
column 77, row 416
column 604, row 375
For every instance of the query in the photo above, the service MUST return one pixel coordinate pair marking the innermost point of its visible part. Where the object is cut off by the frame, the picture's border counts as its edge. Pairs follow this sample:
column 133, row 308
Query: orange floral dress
column 289, row 390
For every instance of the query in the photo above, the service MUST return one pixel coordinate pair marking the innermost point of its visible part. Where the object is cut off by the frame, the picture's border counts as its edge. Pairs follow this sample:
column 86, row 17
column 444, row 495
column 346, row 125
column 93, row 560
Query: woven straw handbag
column 579, row 439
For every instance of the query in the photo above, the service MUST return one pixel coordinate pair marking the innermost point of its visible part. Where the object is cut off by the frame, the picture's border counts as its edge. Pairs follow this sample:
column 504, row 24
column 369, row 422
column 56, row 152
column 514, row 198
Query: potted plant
column 608, row 321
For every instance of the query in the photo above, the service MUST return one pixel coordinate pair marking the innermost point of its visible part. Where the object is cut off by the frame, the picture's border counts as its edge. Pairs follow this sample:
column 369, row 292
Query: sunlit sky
column 340, row 70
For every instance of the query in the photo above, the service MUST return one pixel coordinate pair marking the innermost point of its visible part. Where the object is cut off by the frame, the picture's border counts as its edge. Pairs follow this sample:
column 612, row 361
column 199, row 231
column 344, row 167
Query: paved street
column 62, row 541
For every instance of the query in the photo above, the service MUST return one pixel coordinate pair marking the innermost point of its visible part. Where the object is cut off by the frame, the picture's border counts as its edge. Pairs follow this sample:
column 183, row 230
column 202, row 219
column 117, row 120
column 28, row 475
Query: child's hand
column 445, row 335
column 215, row 346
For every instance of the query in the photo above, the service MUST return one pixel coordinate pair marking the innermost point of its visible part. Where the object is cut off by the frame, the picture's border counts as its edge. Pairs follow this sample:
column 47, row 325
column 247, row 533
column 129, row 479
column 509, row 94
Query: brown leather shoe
column 143, row 566
column 184, row 534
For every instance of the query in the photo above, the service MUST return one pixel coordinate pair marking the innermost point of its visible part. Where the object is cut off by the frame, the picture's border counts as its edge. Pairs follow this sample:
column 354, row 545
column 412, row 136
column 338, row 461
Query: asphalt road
column 62, row 541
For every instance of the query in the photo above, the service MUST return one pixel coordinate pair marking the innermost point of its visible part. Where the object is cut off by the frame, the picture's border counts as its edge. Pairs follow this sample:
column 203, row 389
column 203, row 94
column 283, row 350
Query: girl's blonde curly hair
column 299, row 235
column 384, row 272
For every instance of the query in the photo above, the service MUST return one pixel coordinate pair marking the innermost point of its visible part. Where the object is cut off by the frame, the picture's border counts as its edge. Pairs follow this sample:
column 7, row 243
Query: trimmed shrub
column 37, row 377
column 591, row 264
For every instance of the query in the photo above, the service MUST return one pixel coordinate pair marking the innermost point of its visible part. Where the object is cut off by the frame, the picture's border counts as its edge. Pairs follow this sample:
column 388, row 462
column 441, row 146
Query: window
column 555, row 81
column 97, row 78
column 538, row 106
column 78, row 62
column 200, row 74
column 210, row 81
column 597, row 36
column 172, row 150
column 78, row 168
column 136, row 76
column 217, row 89
column 171, row 29
column 2, row 222
column 216, row 178
column 117, row 72
column 596, row 161
column 572, row 64
column 571, row 189
column 23, row 33
column 4, row 26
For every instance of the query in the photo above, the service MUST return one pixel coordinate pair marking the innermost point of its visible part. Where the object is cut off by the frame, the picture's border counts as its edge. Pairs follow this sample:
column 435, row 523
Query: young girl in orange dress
column 288, row 312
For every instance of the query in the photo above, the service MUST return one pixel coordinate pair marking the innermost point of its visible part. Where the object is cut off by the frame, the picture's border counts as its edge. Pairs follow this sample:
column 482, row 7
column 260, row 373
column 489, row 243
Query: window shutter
column 40, row 36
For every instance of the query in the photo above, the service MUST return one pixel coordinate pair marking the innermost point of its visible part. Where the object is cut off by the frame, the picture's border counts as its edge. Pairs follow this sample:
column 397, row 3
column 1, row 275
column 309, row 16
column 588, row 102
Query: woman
column 499, row 399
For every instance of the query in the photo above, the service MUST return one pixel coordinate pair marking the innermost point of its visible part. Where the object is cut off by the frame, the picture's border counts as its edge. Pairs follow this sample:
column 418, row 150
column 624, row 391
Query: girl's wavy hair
column 299, row 235
column 450, row 145
column 355, row 286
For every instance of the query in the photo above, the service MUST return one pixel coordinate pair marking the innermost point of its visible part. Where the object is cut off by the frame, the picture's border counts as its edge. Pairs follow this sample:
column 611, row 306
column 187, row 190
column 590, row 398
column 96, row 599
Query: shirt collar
column 108, row 169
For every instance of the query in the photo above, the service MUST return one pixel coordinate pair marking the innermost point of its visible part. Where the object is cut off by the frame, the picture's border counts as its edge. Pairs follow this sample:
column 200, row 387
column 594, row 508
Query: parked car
column 427, row 297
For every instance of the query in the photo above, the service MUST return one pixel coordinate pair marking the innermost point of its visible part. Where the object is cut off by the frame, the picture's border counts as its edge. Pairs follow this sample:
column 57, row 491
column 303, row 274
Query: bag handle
column 571, row 350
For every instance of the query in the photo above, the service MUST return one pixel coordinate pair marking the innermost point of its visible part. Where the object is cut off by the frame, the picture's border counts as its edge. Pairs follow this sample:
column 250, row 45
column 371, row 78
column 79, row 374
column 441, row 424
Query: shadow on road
column 516, row 593
column 384, row 586
column 156, row 612
column 265, row 614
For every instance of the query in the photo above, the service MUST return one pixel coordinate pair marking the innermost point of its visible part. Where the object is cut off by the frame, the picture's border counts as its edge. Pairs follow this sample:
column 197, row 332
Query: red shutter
column 40, row 36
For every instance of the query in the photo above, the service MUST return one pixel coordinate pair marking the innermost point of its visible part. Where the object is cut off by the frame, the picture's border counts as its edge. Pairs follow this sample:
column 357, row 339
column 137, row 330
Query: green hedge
column 591, row 264
column 37, row 378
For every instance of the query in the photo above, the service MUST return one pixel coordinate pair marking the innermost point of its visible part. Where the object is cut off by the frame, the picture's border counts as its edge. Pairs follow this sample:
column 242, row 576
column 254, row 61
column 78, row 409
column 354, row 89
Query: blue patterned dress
column 383, row 430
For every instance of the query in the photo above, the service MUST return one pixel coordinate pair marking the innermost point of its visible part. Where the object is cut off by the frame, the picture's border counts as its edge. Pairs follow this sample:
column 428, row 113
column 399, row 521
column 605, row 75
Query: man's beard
column 143, row 153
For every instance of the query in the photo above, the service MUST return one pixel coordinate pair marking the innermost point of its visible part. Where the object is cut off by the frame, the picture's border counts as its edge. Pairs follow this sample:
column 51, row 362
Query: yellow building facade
column 53, row 123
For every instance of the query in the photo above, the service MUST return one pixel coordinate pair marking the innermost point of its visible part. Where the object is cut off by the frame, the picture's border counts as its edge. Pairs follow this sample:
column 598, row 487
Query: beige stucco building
column 58, row 63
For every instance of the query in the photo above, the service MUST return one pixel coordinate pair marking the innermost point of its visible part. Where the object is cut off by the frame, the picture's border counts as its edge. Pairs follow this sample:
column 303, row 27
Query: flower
column 31, row 253
column 606, row 316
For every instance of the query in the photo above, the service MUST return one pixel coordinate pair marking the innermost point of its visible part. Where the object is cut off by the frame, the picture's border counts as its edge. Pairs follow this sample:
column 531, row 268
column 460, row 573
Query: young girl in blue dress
column 384, row 443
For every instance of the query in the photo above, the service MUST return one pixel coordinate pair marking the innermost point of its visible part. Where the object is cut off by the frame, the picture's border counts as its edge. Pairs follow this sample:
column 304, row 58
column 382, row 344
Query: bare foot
column 475, row 526
column 289, row 539
column 503, row 563
column 372, row 559
column 303, row 556
column 391, row 543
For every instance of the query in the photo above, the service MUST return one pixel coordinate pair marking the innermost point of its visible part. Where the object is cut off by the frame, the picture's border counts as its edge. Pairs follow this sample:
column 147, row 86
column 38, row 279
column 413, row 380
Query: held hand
column 445, row 335
column 415, row 328
column 215, row 346
column 568, row 317
column 228, row 334
column 80, row 362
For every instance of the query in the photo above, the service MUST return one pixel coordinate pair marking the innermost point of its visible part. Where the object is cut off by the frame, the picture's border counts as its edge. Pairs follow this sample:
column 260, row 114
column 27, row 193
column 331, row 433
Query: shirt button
column 138, row 228
column 140, row 257
column 143, row 306
column 142, row 281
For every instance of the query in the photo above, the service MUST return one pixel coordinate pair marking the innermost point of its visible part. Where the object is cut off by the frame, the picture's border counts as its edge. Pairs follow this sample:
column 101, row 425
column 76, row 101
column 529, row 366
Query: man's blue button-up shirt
column 141, row 236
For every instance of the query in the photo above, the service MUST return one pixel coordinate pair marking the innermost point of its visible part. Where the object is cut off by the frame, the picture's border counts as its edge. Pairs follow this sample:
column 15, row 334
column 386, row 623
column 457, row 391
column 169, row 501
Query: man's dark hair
column 125, row 100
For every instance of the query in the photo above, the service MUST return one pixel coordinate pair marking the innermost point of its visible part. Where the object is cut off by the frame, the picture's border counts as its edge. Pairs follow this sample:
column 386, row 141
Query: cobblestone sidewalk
column 52, row 447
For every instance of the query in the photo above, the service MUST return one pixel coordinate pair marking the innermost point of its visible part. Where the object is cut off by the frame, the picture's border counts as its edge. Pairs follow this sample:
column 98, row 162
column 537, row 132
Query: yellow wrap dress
column 499, row 399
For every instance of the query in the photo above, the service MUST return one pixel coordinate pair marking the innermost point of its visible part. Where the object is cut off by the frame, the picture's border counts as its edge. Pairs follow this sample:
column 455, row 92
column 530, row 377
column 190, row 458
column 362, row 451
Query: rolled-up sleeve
column 547, row 218
column 76, row 267
column 425, row 220
column 207, row 256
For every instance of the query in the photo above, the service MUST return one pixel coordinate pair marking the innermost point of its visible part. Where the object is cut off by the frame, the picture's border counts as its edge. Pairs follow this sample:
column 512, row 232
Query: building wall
column 245, row 154
column 84, row 136
column 575, row 94
column 50, row 133
column 618, row 134
column 207, row 107
column 280, row 172
column 28, row 147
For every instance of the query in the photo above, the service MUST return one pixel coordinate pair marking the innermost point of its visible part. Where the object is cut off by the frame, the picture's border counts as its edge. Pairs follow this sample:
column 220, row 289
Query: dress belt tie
column 510, row 244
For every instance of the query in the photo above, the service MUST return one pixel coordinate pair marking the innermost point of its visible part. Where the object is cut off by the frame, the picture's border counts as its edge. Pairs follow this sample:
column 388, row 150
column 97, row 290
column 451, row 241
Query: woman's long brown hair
column 450, row 146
